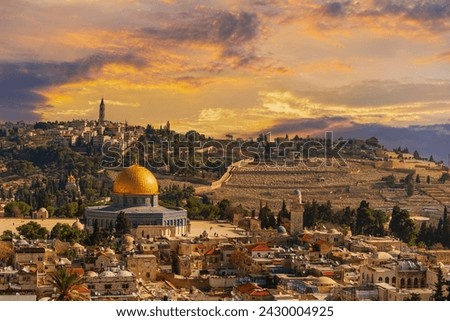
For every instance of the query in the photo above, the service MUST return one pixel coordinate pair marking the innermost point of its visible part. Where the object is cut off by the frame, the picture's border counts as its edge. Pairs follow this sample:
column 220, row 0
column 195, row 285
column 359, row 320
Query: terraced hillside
column 343, row 186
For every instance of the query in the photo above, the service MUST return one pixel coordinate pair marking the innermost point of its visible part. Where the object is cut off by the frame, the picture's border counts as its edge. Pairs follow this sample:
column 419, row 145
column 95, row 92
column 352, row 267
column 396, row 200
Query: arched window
column 409, row 283
column 416, row 282
column 402, row 283
column 386, row 280
column 394, row 280
column 380, row 279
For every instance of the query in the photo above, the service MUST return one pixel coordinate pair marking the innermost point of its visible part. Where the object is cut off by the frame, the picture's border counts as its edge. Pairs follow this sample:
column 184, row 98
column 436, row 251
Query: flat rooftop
column 216, row 229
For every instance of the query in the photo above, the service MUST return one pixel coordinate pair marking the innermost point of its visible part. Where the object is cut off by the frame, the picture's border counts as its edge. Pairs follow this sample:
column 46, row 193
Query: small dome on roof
column 107, row 274
column 109, row 251
column 124, row 273
column 78, row 225
column 382, row 256
column 281, row 230
column 91, row 274
column 324, row 280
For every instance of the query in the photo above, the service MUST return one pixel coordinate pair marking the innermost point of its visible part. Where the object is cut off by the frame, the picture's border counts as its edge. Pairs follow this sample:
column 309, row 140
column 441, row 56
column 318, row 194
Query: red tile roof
column 261, row 248
column 247, row 287
column 259, row 292
column 212, row 251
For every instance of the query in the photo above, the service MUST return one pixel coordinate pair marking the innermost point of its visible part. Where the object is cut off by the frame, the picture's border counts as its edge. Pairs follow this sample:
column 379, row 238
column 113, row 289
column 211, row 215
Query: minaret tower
column 101, row 113
column 297, row 210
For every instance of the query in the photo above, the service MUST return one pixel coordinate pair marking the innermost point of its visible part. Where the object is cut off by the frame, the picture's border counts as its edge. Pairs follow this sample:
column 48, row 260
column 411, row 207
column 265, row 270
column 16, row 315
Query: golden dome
column 135, row 180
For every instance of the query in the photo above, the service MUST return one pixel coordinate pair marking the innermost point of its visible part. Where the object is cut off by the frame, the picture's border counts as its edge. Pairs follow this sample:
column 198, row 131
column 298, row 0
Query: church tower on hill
column 101, row 113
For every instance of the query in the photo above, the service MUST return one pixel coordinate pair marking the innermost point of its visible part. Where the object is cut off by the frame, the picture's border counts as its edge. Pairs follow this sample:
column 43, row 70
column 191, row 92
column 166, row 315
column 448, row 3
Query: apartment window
column 125, row 286
column 108, row 286
column 91, row 286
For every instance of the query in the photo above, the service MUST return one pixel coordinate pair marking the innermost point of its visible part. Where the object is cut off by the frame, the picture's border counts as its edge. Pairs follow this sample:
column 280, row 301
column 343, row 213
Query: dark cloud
column 335, row 9
column 232, row 31
column 20, row 82
column 427, row 10
column 428, row 140
column 433, row 12
column 213, row 27
column 375, row 93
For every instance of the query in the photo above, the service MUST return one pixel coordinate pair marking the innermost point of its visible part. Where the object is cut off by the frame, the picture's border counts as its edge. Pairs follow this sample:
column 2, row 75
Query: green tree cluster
column 402, row 226
column 21, row 168
column 431, row 235
column 315, row 213
column 122, row 225
column 370, row 221
column 283, row 215
column 198, row 210
column 66, row 233
column 267, row 217
column 363, row 220
column 17, row 209
column 410, row 184
column 33, row 231
column 440, row 285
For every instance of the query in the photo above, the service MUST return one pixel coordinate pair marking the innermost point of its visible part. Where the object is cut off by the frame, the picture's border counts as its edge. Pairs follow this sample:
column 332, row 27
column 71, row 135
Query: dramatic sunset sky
column 359, row 68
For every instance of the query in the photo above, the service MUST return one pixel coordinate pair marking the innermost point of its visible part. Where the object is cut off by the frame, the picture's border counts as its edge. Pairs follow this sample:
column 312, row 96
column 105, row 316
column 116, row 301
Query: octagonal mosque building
column 135, row 193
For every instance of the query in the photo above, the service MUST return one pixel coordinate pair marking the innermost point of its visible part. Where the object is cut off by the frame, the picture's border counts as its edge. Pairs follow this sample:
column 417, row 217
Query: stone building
column 41, row 213
column 23, row 279
column 402, row 274
column 144, row 266
column 135, row 194
column 108, row 285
